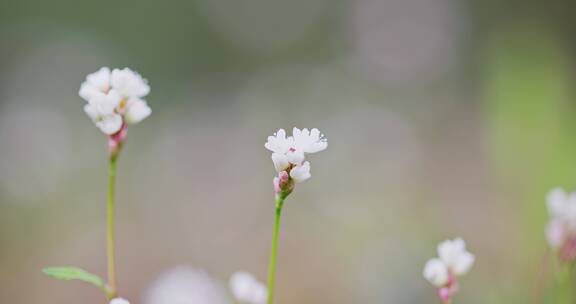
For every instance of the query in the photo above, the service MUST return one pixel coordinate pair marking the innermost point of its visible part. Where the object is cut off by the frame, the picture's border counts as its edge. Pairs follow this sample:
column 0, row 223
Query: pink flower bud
column 116, row 140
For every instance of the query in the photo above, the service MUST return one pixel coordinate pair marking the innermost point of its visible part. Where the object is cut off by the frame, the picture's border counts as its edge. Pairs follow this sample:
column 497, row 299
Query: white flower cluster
column 561, row 230
column 115, row 98
column 453, row 261
column 247, row 289
column 119, row 301
column 288, row 153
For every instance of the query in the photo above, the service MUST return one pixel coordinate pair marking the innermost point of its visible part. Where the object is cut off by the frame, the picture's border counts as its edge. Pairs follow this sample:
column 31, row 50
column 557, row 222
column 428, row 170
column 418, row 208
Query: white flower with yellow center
column 115, row 98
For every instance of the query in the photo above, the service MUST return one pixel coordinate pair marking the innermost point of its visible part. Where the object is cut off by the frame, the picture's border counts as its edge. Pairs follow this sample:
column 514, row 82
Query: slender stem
column 113, row 291
column 273, row 254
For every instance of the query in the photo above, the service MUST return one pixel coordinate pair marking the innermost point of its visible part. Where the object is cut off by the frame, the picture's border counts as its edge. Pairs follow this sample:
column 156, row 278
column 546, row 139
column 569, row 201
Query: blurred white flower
column 185, row 285
column 114, row 98
column 454, row 255
column 436, row 272
column 561, row 230
column 454, row 260
column 288, row 155
column 247, row 289
column 119, row 301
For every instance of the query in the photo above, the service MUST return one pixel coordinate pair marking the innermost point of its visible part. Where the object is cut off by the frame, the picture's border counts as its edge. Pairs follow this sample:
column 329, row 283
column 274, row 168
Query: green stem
column 273, row 254
column 113, row 291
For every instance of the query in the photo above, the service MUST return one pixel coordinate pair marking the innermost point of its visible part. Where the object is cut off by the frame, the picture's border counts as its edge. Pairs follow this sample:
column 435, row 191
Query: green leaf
column 74, row 273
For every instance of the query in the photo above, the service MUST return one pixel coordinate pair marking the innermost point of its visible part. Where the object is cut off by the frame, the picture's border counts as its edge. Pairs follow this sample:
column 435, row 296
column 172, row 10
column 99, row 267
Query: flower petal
column 137, row 110
column 280, row 161
column 129, row 84
column 436, row 272
column 110, row 124
column 301, row 173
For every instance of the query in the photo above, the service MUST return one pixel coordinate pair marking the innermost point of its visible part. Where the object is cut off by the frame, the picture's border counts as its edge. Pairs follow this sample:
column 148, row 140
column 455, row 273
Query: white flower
column 247, row 289
column 301, row 173
column 288, row 152
column 129, row 83
column 185, row 285
column 101, row 109
column 96, row 83
column 279, row 143
column 114, row 98
column 436, row 272
column 562, row 226
column 454, row 255
column 454, row 260
column 309, row 141
column 119, row 301
column 136, row 111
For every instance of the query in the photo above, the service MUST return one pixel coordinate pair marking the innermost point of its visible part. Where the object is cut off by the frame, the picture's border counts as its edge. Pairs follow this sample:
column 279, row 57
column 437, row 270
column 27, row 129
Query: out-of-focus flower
column 561, row 230
column 247, row 289
column 454, row 260
column 119, row 301
column 288, row 155
column 453, row 253
column 185, row 285
column 436, row 272
column 114, row 98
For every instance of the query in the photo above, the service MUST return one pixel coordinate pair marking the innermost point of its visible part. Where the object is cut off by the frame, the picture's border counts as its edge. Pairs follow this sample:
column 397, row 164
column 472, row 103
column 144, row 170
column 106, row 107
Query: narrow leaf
column 74, row 273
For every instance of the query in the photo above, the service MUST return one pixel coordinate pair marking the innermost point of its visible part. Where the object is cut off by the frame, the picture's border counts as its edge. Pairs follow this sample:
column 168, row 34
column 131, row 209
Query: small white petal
column 88, row 91
column 301, row 173
column 129, row 83
column 119, row 301
column 463, row 263
column 309, row 141
column 105, row 104
column 100, row 79
column 436, row 272
column 280, row 161
column 110, row 124
column 295, row 157
column 279, row 143
column 136, row 111
column 97, row 82
column 92, row 111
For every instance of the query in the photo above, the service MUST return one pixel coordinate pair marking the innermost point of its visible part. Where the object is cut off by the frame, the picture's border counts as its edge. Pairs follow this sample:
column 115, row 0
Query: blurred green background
column 444, row 118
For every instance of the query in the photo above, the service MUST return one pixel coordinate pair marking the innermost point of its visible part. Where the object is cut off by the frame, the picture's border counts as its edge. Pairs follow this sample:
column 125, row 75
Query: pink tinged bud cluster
column 289, row 153
column 114, row 99
column 442, row 272
column 561, row 230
